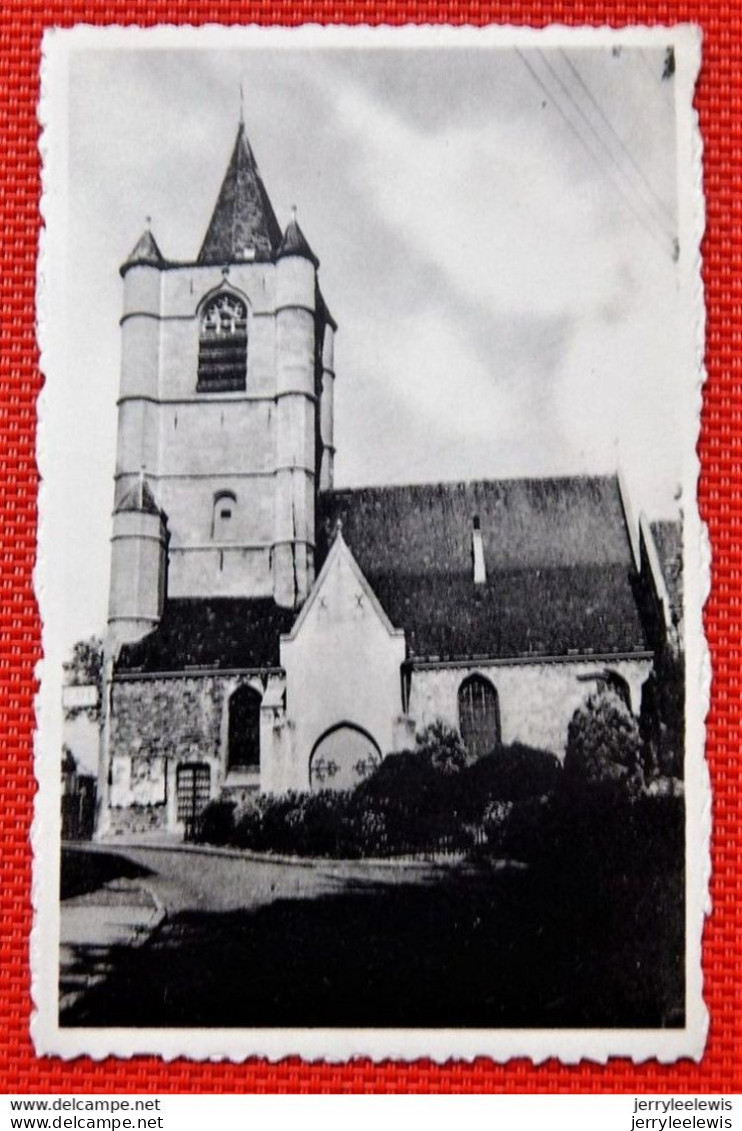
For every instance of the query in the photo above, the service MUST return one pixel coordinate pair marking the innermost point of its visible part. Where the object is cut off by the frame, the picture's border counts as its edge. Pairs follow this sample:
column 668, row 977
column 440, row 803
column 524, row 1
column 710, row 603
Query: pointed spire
column 243, row 225
column 294, row 241
column 145, row 253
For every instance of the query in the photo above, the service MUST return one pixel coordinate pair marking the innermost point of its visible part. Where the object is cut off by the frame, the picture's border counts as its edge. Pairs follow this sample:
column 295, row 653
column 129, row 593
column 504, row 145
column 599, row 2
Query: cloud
column 493, row 207
column 549, row 339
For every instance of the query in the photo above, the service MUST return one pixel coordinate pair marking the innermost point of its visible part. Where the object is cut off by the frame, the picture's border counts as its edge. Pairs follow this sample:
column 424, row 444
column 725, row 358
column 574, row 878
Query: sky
column 496, row 230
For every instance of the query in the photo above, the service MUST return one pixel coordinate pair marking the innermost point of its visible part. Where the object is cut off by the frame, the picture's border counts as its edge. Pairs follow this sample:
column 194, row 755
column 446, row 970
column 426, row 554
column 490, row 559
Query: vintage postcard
column 370, row 563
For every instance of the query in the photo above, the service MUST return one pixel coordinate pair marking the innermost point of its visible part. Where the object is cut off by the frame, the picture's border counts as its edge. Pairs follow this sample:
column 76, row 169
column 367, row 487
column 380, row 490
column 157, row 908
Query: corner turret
column 145, row 253
column 296, row 426
column 138, row 565
column 294, row 242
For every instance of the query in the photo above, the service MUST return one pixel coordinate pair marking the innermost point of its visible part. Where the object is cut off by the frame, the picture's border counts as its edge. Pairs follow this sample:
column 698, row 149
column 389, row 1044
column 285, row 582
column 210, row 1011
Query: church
column 270, row 632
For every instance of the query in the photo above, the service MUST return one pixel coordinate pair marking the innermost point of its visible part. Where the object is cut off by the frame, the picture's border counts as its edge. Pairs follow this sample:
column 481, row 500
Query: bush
column 519, row 830
column 662, row 720
column 603, row 744
column 248, row 825
column 613, row 835
column 436, row 780
column 441, row 746
column 512, row 773
column 297, row 824
column 416, row 800
column 217, row 823
column 602, row 836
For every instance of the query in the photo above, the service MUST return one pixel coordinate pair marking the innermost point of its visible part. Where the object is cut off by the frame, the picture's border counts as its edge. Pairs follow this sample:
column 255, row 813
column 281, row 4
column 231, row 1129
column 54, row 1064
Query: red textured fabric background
column 719, row 103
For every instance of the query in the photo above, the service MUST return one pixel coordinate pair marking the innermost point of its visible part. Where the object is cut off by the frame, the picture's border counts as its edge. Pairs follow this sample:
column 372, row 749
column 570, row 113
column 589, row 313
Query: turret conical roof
column 145, row 253
column 243, row 225
column 139, row 497
column 294, row 242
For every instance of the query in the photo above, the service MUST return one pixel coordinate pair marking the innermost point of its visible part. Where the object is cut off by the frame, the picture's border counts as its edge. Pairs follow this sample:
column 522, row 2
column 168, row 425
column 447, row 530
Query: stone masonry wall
column 537, row 701
column 173, row 717
column 155, row 726
column 137, row 819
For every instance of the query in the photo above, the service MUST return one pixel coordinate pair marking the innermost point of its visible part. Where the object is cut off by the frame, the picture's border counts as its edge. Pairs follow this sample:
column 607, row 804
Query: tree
column 603, row 743
column 662, row 719
column 85, row 668
column 441, row 746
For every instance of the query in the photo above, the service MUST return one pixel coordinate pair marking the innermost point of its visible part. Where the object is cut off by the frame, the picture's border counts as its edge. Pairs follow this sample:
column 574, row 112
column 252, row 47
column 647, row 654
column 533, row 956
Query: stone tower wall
column 327, row 411
column 138, row 567
column 293, row 553
column 257, row 446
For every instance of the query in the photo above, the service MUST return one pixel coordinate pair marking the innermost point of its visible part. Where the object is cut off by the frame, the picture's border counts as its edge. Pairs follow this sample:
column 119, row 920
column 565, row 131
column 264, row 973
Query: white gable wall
column 342, row 663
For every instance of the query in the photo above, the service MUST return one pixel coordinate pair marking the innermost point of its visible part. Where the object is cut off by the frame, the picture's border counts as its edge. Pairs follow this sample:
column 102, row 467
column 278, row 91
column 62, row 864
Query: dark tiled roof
column 145, row 253
column 243, row 218
column 222, row 632
column 294, row 242
column 668, row 538
column 516, row 613
column 560, row 577
column 558, row 560
column 525, row 523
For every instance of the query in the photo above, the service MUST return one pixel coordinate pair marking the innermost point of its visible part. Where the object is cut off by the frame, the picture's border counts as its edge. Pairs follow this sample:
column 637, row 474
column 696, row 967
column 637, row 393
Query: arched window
column 224, row 517
column 479, row 716
column 222, row 350
column 244, row 729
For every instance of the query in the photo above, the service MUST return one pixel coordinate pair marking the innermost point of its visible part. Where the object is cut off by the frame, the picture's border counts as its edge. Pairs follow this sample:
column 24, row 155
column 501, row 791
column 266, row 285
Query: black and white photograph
column 370, row 562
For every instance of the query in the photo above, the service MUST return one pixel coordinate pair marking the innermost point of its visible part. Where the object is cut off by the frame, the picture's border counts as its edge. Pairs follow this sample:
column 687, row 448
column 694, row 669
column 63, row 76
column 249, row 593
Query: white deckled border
column 334, row 1045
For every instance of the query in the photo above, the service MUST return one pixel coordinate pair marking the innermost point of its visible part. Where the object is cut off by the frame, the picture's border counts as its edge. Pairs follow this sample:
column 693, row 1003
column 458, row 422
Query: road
column 129, row 902
column 190, row 880
column 244, row 942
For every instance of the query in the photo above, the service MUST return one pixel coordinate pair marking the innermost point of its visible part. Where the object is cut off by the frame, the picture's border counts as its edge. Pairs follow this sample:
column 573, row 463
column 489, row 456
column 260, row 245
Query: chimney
column 477, row 549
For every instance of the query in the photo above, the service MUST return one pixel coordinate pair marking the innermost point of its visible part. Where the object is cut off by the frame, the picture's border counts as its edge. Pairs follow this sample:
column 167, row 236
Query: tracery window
column 222, row 351
column 342, row 758
column 479, row 716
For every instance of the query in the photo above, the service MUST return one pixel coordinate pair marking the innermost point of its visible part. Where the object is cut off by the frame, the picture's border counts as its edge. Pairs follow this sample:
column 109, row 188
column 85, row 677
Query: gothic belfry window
column 222, row 350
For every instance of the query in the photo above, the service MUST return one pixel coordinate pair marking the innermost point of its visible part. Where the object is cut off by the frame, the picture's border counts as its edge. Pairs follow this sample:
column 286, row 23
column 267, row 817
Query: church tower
column 225, row 413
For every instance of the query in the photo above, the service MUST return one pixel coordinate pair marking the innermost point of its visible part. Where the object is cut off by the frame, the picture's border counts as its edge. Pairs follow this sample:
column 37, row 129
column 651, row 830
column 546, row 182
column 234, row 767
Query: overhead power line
column 650, row 187
column 600, row 163
column 630, row 193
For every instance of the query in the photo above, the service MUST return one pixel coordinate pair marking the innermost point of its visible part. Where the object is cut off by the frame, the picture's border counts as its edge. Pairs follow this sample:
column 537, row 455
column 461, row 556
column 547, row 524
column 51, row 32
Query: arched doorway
column 479, row 716
column 342, row 758
column 243, row 736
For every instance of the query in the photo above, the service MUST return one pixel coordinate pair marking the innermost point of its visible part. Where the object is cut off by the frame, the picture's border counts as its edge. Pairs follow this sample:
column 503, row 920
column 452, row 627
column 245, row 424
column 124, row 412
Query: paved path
column 122, row 912
column 204, row 880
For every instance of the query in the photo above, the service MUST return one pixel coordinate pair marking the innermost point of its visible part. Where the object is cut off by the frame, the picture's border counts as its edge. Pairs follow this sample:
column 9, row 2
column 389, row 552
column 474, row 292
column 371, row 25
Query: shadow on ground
column 486, row 948
column 83, row 871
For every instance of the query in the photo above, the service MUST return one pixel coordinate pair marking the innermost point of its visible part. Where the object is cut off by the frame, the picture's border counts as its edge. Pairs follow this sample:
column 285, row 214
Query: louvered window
column 222, row 352
column 479, row 716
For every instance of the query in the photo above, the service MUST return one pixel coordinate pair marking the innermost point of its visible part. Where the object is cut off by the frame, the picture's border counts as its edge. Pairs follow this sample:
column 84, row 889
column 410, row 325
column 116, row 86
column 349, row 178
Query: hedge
column 432, row 799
